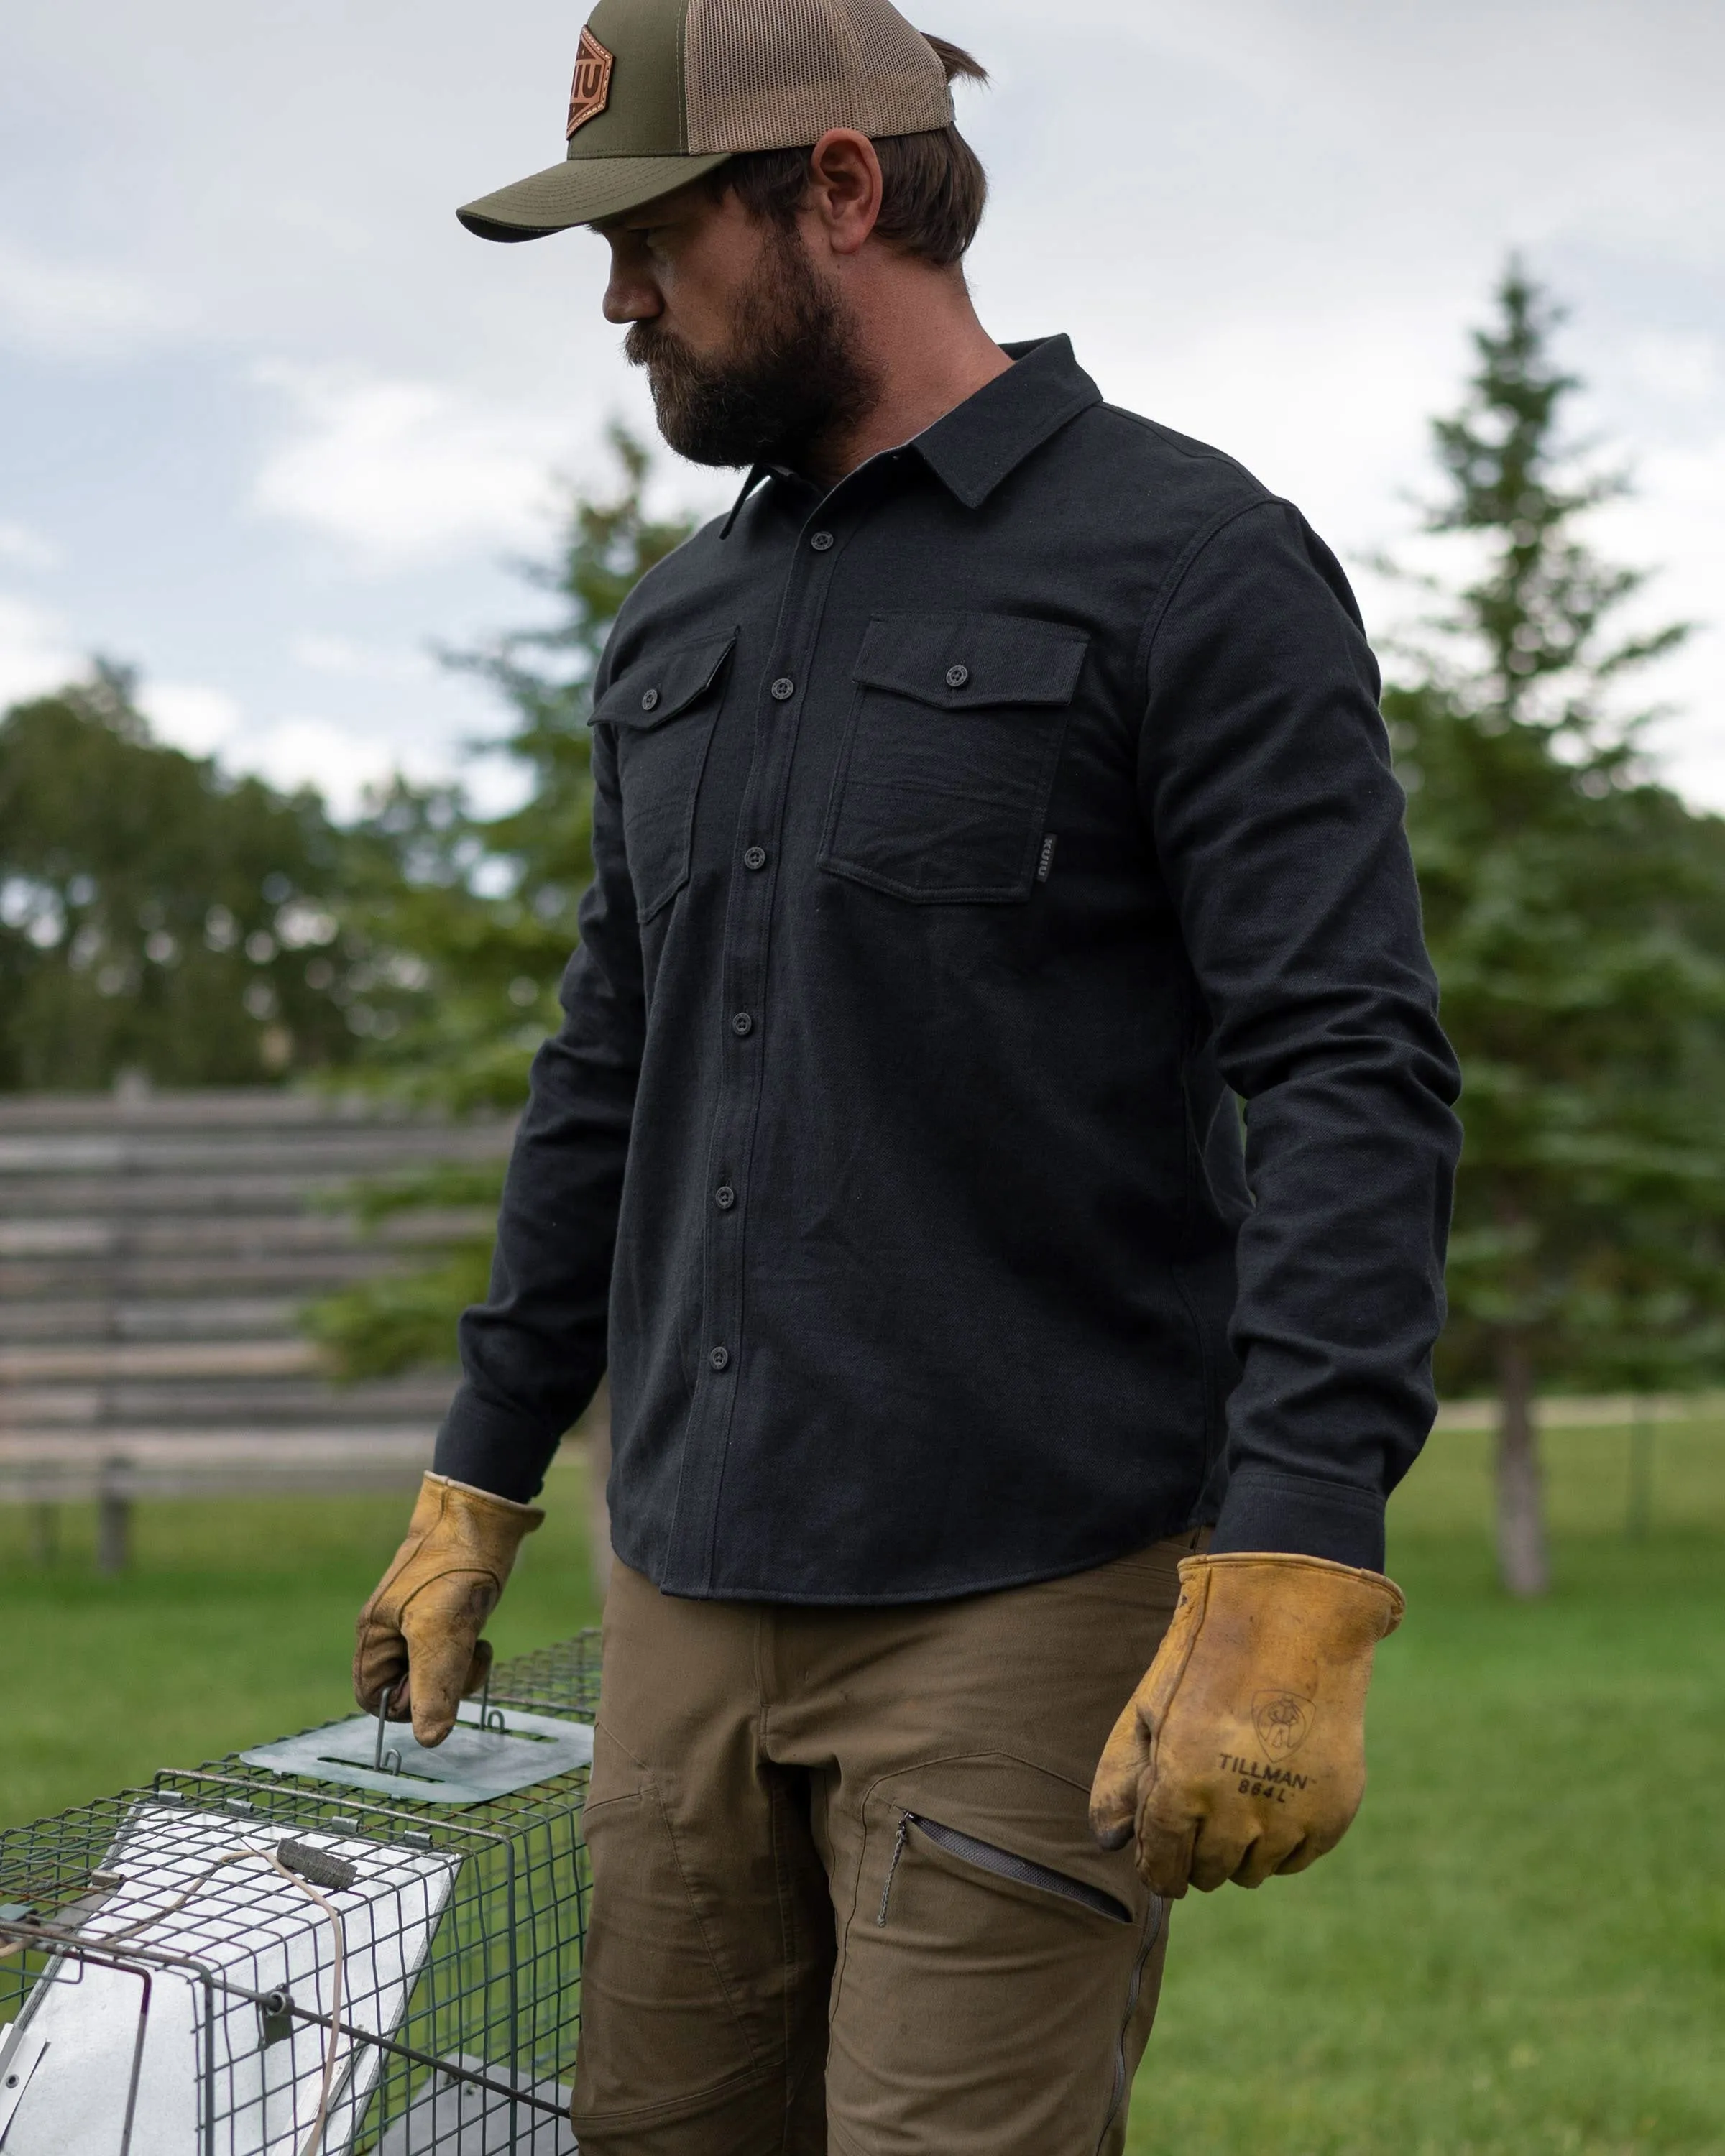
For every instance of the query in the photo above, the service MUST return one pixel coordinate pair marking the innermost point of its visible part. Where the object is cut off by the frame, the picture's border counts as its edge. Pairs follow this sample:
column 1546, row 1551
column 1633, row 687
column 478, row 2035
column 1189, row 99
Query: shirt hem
column 947, row 1591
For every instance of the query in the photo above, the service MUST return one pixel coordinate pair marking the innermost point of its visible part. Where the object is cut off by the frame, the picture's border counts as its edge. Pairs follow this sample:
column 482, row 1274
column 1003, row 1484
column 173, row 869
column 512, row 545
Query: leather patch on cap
column 591, row 90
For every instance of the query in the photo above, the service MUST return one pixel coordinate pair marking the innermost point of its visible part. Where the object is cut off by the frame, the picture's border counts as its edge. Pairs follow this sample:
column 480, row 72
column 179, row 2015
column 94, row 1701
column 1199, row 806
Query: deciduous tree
column 159, row 917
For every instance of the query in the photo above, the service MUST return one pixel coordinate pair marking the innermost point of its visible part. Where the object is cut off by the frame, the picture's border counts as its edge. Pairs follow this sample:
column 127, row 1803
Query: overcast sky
column 272, row 425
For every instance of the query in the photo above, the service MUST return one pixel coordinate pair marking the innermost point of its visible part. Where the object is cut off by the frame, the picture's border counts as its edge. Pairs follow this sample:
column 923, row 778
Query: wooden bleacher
column 154, row 1252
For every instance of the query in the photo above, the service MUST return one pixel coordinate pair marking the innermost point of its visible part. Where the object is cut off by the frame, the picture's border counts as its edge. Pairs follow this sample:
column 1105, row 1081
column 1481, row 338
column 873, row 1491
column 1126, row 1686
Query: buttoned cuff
column 492, row 1448
column 1299, row 1516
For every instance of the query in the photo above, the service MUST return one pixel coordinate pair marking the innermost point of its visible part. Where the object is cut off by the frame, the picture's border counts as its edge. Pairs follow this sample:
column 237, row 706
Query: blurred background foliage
column 158, row 917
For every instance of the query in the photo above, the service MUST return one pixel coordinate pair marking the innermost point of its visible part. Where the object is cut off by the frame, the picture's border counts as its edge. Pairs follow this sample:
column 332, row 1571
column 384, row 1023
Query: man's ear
column 844, row 187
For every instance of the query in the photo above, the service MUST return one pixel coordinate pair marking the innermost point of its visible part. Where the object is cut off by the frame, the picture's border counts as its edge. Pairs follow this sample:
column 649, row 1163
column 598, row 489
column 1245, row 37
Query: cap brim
column 578, row 191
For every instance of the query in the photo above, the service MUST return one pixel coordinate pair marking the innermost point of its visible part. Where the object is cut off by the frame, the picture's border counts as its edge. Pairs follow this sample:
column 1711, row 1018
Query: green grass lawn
column 233, row 1625
column 1519, row 1950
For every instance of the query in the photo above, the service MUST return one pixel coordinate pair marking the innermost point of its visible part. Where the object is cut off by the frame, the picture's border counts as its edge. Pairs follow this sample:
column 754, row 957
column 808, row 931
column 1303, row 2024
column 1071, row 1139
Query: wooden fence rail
column 155, row 1254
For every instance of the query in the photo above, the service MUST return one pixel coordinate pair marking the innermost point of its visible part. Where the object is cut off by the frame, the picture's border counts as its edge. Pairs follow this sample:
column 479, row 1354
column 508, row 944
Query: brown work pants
column 845, row 1894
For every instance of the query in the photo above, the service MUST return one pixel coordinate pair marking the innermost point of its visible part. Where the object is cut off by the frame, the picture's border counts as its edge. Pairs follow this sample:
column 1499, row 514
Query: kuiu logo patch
column 591, row 90
column 1283, row 1720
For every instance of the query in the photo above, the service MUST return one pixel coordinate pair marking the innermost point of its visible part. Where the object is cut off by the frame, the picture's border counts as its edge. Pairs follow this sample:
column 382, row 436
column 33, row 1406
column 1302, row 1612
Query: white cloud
column 190, row 715
column 402, row 473
column 339, row 762
column 1684, row 367
column 353, row 661
column 36, row 654
column 73, row 308
column 25, row 549
column 1675, row 524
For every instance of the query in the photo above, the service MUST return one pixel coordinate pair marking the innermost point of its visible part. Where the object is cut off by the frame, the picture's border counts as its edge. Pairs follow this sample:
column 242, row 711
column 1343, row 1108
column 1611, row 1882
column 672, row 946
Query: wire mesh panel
column 239, row 1962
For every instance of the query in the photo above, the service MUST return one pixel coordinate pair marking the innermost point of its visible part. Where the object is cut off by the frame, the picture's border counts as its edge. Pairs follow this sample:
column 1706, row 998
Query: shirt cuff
column 490, row 1447
column 1298, row 1515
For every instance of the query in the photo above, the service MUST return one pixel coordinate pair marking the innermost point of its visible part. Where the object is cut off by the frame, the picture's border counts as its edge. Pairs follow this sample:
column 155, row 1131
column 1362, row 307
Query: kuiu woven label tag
column 591, row 90
column 1046, row 860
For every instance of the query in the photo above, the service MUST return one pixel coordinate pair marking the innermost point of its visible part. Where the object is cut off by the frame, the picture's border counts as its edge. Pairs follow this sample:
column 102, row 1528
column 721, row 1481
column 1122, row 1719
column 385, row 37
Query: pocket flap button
column 956, row 677
column 649, row 700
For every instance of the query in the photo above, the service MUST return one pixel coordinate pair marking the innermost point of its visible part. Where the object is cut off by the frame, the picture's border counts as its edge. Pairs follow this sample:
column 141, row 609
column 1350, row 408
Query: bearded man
column 1000, row 1143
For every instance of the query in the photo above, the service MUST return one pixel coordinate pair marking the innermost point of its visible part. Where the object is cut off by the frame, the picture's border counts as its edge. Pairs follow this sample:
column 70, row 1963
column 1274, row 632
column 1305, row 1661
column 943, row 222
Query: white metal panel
column 199, row 1885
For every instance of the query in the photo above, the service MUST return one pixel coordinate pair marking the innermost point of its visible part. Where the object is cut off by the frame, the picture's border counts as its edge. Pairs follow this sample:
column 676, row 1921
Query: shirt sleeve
column 532, row 1354
column 1265, row 777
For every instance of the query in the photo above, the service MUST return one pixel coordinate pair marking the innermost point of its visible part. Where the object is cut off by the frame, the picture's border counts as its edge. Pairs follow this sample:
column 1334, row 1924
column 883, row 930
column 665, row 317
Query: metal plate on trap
column 473, row 1764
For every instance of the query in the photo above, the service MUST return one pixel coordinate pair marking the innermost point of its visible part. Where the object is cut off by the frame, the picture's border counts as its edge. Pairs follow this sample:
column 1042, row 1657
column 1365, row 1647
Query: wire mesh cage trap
column 337, row 1945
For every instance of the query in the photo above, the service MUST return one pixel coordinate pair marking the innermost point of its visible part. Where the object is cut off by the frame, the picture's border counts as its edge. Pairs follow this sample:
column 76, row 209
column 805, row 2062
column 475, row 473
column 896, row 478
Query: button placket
column 748, row 922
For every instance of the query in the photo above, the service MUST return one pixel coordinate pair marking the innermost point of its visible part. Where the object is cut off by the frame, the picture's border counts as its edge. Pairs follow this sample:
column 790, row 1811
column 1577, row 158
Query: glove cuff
column 1319, row 1573
column 523, row 1519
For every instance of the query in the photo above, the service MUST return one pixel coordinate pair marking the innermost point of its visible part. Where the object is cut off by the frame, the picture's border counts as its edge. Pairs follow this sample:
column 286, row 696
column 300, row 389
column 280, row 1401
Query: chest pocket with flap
column 943, row 783
column 663, row 708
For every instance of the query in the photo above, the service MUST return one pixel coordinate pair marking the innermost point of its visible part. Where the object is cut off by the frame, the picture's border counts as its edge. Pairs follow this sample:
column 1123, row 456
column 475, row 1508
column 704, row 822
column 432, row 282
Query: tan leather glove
column 422, row 1623
column 1243, row 1753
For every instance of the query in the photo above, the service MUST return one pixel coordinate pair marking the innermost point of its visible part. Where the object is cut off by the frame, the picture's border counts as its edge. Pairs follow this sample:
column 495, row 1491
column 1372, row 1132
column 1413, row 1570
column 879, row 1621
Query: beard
column 794, row 382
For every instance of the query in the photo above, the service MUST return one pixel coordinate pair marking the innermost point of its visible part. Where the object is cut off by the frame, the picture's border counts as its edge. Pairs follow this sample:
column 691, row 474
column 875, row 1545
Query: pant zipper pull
column 898, row 1850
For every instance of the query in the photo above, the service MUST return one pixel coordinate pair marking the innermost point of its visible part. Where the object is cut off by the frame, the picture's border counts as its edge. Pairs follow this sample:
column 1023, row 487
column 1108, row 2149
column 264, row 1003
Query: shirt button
column 821, row 540
column 755, row 858
column 649, row 700
column 956, row 677
column 742, row 1025
column 724, row 1198
column 720, row 1358
column 784, row 689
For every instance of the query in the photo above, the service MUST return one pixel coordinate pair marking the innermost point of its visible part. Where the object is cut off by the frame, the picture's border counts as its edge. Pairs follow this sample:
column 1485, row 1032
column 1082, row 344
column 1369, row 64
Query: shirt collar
column 979, row 443
column 984, row 439
column 758, row 473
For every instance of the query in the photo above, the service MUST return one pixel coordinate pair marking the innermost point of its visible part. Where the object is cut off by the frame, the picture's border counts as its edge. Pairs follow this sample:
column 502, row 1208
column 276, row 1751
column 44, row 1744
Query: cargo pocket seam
column 649, row 1791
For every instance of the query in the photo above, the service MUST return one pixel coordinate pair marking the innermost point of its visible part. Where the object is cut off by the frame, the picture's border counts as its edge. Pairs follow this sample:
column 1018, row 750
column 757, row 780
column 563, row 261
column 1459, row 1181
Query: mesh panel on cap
column 775, row 74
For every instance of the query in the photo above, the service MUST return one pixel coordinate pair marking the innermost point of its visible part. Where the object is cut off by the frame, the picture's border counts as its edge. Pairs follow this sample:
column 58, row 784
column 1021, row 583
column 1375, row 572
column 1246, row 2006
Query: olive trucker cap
column 667, row 90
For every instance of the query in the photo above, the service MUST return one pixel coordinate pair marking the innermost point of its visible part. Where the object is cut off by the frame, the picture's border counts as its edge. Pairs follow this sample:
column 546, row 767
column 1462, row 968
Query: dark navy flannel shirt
column 970, row 842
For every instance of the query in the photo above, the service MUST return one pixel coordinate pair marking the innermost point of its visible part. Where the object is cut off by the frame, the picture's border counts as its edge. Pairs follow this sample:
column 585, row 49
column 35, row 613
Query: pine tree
column 1574, row 911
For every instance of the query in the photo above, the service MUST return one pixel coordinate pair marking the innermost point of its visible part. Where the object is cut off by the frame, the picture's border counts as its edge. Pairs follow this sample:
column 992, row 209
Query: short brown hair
column 933, row 184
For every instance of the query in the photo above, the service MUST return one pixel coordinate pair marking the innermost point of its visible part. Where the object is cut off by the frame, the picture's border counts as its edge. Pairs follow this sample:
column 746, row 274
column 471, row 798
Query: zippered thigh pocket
column 1003, row 1863
column 989, row 1961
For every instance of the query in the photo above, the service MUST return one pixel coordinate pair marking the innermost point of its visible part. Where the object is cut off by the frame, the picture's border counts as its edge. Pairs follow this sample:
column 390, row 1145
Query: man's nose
column 630, row 295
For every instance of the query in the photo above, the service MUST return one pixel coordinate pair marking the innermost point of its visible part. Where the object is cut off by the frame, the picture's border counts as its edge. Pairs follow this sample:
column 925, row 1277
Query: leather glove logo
column 1283, row 1721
